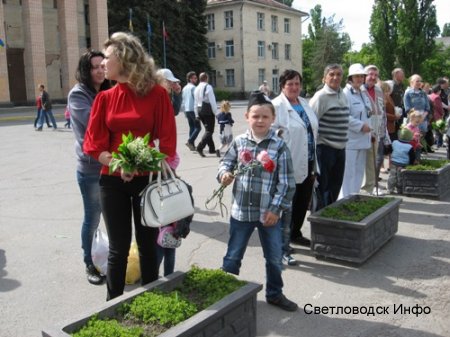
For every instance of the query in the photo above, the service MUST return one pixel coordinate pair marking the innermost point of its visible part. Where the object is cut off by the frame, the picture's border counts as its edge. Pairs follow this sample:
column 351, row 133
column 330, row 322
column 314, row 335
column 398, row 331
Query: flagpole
column 149, row 34
column 164, row 45
column 130, row 23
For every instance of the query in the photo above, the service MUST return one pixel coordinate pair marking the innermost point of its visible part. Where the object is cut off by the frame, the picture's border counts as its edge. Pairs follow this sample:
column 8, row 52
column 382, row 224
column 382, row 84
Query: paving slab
column 42, row 280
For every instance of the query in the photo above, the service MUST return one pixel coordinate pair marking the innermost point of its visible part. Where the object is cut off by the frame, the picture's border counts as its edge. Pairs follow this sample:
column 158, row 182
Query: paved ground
column 42, row 281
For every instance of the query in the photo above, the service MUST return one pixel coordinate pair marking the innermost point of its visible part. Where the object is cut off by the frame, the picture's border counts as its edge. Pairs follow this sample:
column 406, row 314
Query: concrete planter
column 234, row 315
column 353, row 241
column 432, row 184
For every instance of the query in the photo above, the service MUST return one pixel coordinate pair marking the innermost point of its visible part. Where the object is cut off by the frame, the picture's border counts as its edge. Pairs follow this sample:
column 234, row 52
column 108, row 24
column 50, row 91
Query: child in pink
column 67, row 117
column 415, row 118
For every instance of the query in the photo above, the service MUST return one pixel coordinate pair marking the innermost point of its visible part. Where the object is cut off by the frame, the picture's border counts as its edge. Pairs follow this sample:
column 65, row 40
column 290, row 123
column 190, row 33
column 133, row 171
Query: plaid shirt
column 257, row 191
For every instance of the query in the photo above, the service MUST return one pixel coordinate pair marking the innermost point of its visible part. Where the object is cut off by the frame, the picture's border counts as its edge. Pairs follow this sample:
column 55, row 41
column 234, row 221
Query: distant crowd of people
column 335, row 144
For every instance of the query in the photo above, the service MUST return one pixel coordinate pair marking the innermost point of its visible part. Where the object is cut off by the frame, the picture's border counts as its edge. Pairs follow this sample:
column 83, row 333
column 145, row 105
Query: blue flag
column 2, row 44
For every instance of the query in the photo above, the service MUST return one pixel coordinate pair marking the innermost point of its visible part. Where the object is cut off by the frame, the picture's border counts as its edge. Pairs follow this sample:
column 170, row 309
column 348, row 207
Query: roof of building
column 269, row 3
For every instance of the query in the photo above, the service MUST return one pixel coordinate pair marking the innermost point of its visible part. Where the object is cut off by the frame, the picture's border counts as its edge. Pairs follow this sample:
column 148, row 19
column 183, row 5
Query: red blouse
column 119, row 110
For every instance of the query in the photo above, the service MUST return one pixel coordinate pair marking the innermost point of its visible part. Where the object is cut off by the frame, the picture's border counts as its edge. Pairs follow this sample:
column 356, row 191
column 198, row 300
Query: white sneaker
column 289, row 260
column 380, row 193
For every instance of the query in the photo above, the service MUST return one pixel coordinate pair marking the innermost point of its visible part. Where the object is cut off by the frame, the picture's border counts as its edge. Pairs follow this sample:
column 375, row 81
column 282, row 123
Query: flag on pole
column 130, row 22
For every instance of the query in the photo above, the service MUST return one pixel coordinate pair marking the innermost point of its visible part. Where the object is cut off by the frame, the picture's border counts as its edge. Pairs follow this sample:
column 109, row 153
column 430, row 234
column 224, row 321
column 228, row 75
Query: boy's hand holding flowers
column 246, row 163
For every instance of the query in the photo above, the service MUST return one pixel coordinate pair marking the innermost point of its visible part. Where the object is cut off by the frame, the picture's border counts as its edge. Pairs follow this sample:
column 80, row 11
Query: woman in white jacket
column 358, row 131
column 298, row 125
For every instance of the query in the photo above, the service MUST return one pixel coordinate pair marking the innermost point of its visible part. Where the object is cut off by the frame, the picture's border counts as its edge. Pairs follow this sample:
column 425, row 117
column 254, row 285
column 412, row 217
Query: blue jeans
column 43, row 115
column 168, row 254
column 194, row 126
column 90, row 192
column 332, row 165
column 271, row 241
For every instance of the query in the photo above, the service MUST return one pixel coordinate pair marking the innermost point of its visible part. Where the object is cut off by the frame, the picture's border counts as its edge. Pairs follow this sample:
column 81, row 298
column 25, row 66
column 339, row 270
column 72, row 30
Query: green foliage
column 134, row 154
column 210, row 285
column 432, row 67
column 107, row 327
column 403, row 33
column 222, row 95
column 354, row 210
column 428, row 165
column 167, row 309
column 185, row 25
column 324, row 45
column 446, row 30
column 155, row 310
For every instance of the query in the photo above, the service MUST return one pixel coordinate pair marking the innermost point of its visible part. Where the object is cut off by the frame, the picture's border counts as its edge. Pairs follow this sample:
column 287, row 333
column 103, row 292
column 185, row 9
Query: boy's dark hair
column 83, row 73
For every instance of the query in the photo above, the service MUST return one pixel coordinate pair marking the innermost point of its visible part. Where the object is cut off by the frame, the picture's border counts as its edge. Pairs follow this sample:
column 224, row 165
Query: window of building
column 287, row 25
column 274, row 23
column 260, row 21
column 212, row 78
column 287, row 51
column 275, row 81
column 261, row 49
column 211, row 50
column 261, row 75
column 275, row 51
column 228, row 19
column 229, row 80
column 229, row 48
column 210, row 22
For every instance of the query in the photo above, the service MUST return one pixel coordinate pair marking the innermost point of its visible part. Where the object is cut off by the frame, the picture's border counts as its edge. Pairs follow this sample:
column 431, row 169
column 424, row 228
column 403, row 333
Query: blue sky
column 356, row 15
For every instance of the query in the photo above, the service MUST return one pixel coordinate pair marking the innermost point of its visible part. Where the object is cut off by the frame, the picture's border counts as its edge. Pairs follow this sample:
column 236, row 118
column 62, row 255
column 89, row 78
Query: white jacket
column 295, row 134
column 360, row 112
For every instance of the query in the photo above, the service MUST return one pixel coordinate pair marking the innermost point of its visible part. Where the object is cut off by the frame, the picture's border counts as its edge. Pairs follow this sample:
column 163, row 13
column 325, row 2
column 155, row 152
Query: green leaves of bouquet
column 134, row 154
column 438, row 125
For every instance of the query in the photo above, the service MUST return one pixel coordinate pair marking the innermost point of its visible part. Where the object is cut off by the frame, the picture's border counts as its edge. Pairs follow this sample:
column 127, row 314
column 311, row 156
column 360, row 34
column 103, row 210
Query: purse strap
column 165, row 170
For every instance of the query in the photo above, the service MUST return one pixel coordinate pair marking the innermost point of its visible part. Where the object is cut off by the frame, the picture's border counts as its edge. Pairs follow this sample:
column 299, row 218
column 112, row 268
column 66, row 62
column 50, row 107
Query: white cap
column 356, row 69
column 168, row 75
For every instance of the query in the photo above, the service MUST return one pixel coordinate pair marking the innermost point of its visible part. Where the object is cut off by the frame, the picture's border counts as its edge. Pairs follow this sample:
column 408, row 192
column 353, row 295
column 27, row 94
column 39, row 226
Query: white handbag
column 165, row 201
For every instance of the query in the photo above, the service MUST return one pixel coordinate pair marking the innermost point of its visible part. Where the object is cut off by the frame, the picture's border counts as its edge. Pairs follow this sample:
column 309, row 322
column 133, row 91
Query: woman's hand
column 127, row 176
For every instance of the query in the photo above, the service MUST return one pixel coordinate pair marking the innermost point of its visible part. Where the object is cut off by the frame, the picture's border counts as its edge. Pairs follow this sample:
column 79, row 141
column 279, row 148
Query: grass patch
column 153, row 312
column 428, row 165
column 355, row 210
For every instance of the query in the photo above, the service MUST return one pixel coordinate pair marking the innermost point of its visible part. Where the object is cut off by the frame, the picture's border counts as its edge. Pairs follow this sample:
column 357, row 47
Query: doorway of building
column 16, row 75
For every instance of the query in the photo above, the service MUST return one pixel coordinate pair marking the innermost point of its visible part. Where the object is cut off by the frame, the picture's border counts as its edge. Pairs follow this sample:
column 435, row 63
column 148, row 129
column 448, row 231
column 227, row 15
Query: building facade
column 250, row 41
column 43, row 40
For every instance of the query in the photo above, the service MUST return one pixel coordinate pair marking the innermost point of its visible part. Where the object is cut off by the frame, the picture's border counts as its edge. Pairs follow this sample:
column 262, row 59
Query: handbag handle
column 166, row 170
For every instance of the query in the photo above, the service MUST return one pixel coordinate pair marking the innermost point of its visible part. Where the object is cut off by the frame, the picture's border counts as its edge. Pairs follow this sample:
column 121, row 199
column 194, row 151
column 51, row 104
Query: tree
column 185, row 25
column 403, row 32
column 324, row 45
column 446, row 30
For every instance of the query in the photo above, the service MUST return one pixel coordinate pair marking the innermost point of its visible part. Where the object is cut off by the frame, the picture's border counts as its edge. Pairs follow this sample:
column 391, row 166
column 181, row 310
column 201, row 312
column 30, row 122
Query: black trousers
column 300, row 202
column 208, row 120
column 120, row 203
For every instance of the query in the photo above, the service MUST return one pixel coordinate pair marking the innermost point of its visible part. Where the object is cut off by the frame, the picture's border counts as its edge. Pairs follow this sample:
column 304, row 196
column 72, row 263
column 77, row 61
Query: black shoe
column 218, row 153
column 301, row 241
column 39, row 129
column 200, row 152
column 289, row 260
column 93, row 276
column 283, row 303
column 212, row 151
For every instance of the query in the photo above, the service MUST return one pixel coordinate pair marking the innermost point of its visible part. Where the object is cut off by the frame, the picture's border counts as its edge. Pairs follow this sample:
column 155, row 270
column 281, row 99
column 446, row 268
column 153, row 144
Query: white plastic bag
column 99, row 251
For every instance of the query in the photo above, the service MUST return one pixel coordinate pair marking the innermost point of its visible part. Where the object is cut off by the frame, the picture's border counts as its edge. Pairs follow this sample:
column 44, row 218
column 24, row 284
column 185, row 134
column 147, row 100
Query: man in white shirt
column 206, row 111
column 264, row 87
column 189, row 107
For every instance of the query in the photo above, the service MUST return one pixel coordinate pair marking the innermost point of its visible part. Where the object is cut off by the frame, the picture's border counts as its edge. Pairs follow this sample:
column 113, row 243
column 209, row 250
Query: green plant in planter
column 354, row 210
column 153, row 312
column 428, row 165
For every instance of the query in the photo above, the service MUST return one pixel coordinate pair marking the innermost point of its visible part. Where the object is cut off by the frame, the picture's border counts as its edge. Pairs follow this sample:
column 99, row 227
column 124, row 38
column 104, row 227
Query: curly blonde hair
column 225, row 106
column 134, row 61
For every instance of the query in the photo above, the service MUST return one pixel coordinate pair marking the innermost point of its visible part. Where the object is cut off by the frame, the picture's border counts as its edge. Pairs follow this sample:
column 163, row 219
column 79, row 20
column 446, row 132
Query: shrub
column 354, row 210
column 428, row 165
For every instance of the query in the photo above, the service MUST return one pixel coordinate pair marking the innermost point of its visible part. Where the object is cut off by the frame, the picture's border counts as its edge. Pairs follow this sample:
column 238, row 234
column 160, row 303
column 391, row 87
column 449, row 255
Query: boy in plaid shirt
column 260, row 164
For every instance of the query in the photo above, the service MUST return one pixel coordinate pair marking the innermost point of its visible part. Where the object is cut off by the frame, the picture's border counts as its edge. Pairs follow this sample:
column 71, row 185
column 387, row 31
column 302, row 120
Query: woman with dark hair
column 298, row 125
column 91, row 79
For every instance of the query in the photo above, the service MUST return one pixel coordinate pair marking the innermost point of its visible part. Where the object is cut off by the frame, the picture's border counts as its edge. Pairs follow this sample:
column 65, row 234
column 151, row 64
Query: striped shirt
column 332, row 110
column 257, row 191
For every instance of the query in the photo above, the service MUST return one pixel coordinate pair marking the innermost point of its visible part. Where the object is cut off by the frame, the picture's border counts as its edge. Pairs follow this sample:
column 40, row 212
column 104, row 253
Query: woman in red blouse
column 139, row 105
